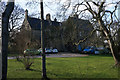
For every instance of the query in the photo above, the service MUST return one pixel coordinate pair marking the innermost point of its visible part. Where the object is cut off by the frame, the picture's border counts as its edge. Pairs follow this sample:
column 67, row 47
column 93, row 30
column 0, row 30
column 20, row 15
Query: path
column 58, row 55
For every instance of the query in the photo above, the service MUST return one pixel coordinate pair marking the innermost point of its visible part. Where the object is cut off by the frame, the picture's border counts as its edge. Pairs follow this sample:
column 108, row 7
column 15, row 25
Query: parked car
column 89, row 49
column 97, row 51
column 103, row 50
column 32, row 52
column 55, row 51
column 47, row 50
column 40, row 50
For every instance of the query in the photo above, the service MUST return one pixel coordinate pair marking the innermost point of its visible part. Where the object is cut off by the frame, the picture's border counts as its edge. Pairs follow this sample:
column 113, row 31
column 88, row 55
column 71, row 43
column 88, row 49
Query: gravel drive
column 57, row 55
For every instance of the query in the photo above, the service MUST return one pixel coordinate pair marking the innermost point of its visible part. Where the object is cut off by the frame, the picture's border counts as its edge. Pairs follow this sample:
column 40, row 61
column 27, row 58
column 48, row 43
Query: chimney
column 76, row 16
column 55, row 20
column 26, row 13
column 48, row 17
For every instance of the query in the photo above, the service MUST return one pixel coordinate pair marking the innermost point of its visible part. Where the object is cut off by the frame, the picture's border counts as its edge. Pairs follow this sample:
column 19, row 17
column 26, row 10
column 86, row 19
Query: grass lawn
column 76, row 67
column 14, row 55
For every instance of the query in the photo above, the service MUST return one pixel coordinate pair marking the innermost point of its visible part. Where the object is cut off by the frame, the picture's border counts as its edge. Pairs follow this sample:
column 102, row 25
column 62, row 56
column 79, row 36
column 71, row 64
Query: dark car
column 89, row 49
column 103, row 50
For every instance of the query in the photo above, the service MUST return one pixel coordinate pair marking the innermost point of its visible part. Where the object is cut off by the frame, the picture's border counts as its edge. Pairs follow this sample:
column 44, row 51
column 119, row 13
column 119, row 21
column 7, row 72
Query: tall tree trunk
column 0, row 55
column 113, row 47
column 5, row 21
column 115, row 52
column 42, row 42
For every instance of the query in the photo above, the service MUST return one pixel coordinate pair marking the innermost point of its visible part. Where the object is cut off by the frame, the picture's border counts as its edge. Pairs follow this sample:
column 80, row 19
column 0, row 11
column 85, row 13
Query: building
column 57, row 34
column 74, row 30
column 34, row 26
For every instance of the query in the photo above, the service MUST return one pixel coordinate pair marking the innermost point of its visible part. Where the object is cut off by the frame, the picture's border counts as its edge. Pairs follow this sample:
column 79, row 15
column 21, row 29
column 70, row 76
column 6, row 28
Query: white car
column 97, row 52
column 55, row 51
column 47, row 50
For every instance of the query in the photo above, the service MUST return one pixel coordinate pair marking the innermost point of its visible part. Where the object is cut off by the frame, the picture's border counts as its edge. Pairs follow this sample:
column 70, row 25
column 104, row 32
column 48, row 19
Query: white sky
column 50, row 6
column 47, row 9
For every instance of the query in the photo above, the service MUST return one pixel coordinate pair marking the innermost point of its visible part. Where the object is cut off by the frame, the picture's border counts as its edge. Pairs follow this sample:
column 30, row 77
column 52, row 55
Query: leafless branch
column 91, row 10
column 80, row 41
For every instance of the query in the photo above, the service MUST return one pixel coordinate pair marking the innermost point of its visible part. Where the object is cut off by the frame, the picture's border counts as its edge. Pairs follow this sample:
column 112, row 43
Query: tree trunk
column 42, row 42
column 0, row 55
column 113, row 47
column 5, row 20
column 115, row 52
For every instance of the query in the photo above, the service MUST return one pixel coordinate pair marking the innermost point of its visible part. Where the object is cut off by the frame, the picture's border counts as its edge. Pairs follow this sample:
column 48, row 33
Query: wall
column 35, row 34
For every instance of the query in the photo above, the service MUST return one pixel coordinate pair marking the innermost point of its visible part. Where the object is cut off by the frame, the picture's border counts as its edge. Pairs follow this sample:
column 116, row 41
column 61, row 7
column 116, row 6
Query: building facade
column 58, row 35
column 51, row 30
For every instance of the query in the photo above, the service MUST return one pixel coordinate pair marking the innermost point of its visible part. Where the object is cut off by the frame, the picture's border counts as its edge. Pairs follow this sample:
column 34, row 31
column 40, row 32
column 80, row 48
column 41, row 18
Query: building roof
column 36, row 23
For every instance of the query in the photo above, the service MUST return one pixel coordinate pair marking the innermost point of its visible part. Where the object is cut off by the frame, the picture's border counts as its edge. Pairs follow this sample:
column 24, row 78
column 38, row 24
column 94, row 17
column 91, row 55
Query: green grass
column 14, row 55
column 76, row 67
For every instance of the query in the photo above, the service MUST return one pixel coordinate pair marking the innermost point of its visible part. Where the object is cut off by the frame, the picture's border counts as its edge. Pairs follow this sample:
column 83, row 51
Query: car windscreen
column 88, row 47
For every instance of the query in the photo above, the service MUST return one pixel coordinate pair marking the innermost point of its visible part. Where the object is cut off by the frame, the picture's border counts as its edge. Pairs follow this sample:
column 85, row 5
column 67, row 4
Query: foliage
column 75, row 29
column 53, row 37
column 98, row 11
column 22, row 41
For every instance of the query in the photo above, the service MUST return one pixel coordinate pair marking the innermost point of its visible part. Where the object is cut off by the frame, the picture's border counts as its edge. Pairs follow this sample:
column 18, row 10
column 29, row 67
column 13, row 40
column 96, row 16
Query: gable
column 26, row 25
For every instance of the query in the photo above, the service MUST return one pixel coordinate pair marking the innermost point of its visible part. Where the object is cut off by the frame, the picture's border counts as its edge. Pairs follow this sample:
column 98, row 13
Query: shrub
column 27, row 61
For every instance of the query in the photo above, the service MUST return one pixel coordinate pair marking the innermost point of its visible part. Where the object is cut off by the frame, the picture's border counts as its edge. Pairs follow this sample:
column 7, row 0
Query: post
column 42, row 42
column 0, row 53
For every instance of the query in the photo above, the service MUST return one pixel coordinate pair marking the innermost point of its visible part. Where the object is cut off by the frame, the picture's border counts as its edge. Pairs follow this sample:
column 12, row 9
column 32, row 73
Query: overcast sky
column 50, row 6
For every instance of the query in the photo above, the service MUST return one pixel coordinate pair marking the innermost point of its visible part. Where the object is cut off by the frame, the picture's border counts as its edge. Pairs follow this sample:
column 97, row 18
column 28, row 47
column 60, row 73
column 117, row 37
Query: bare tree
column 15, row 20
column 98, row 15
column 23, row 42
column 16, row 17
column 75, row 29
column 101, row 15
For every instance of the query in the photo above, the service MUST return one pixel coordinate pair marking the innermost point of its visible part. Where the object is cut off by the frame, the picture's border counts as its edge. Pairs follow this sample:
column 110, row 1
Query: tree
column 75, row 29
column 44, row 75
column 16, row 17
column 98, row 13
column 5, row 21
column 15, row 22
column 22, row 43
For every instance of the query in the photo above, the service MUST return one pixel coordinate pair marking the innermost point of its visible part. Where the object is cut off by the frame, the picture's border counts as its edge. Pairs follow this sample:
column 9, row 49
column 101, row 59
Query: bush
column 27, row 61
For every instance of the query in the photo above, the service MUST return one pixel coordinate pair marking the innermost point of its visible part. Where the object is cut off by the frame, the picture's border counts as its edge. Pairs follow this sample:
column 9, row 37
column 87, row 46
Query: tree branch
column 80, row 41
column 91, row 10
